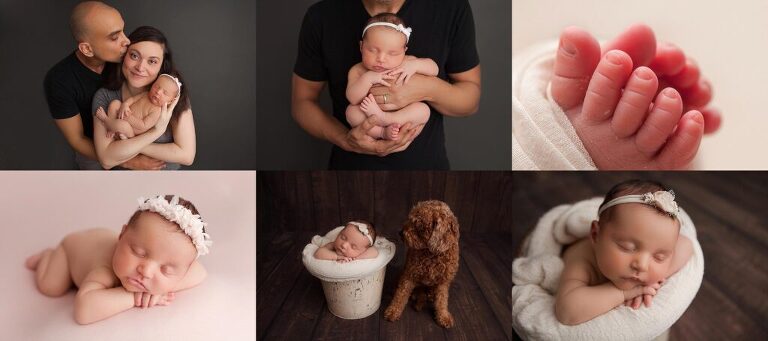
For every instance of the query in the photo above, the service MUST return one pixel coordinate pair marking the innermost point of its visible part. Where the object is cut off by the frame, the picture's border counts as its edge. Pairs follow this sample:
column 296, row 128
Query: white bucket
column 352, row 289
column 356, row 298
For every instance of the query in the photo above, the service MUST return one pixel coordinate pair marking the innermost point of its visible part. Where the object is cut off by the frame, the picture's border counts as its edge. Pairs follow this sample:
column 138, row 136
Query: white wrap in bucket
column 352, row 289
column 537, row 272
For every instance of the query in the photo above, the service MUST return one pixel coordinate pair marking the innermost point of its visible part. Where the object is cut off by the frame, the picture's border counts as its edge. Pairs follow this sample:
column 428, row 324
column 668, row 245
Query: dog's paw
column 392, row 313
column 444, row 319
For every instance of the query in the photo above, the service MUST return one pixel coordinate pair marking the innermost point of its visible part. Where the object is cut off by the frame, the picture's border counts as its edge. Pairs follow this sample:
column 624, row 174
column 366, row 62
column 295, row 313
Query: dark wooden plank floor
column 291, row 304
column 730, row 210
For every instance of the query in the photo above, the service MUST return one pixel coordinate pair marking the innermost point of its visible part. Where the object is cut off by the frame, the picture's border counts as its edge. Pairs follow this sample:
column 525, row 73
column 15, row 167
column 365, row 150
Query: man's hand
column 147, row 300
column 358, row 140
column 398, row 96
column 143, row 162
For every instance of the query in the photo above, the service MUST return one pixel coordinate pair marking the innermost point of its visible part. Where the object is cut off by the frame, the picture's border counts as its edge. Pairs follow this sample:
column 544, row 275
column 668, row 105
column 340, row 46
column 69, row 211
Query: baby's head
column 165, row 89
column 158, row 244
column 355, row 238
column 385, row 39
column 636, row 233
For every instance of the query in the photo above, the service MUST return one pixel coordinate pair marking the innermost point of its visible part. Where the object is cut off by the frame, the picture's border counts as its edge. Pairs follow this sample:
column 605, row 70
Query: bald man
column 72, row 82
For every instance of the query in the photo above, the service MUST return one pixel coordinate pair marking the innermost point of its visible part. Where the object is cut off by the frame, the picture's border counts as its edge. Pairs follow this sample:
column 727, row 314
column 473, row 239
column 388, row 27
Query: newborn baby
column 631, row 250
column 354, row 242
column 154, row 256
column 141, row 112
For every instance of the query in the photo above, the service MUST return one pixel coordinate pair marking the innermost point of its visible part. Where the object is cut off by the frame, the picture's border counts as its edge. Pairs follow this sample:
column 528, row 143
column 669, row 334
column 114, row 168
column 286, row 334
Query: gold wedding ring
column 385, row 98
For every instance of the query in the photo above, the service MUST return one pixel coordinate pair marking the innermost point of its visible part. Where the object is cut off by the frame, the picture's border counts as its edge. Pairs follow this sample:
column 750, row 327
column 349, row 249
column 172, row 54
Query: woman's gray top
column 102, row 98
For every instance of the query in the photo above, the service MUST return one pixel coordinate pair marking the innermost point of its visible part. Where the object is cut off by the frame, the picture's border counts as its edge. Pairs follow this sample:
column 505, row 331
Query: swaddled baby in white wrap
column 638, row 251
column 632, row 105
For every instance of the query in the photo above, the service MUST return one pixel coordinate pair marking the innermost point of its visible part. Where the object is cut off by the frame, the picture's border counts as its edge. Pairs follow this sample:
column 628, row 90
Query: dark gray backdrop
column 479, row 142
column 214, row 47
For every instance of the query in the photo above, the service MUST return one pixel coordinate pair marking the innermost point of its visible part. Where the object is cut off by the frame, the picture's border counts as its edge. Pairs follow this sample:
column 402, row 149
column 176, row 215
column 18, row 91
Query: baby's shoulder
column 578, row 259
column 357, row 69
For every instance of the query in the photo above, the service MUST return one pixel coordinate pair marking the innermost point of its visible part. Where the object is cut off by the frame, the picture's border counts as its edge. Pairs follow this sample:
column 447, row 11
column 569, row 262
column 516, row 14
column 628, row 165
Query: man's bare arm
column 72, row 129
column 459, row 98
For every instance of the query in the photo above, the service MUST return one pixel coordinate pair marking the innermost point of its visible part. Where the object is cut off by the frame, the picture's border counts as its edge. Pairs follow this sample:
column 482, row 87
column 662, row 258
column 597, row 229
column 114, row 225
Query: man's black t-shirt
column 443, row 30
column 69, row 89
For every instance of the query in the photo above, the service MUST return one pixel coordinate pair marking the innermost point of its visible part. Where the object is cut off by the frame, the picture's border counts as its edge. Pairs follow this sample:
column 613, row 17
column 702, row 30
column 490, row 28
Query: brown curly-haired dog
column 432, row 260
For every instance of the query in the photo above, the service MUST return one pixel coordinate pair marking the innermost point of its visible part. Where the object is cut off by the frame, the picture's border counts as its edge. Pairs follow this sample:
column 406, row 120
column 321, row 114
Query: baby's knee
column 422, row 111
column 114, row 105
column 355, row 116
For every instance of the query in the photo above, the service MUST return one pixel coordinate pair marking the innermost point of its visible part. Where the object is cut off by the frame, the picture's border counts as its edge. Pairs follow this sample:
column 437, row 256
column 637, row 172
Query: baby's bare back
column 87, row 250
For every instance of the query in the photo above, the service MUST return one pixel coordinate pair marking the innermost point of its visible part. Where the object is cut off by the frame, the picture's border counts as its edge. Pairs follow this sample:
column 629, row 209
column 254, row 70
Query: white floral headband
column 176, row 80
column 190, row 223
column 662, row 200
column 363, row 228
column 399, row 27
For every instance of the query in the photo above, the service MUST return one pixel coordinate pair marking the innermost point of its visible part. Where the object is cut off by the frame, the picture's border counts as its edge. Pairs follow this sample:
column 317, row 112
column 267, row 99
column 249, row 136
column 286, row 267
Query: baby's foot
column 33, row 260
column 371, row 108
column 392, row 132
column 620, row 128
column 100, row 114
column 579, row 54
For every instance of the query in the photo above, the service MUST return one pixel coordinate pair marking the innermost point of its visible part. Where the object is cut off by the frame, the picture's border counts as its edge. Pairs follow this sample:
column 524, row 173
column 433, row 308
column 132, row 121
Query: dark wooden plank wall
column 320, row 200
column 730, row 210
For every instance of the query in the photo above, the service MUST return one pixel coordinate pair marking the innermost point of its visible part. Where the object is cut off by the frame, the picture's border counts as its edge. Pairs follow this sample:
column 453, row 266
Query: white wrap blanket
column 542, row 136
column 536, row 274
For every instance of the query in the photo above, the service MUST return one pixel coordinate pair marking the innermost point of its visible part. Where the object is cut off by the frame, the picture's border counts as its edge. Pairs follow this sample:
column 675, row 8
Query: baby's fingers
column 137, row 299
column 391, row 73
column 637, row 301
column 649, row 291
column 145, row 300
column 647, row 300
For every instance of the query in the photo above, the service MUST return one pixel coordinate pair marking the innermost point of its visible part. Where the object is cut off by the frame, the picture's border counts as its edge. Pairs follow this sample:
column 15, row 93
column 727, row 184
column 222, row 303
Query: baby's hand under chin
column 646, row 295
column 344, row 259
column 147, row 300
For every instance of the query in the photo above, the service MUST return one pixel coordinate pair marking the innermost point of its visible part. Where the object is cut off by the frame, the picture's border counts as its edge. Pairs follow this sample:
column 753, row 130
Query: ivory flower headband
column 363, row 228
column 190, row 223
column 399, row 27
column 662, row 200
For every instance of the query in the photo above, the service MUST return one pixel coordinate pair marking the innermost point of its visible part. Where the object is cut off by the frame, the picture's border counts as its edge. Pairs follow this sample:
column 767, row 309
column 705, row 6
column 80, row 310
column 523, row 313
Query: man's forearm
column 96, row 305
column 84, row 146
column 459, row 99
column 585, row 303
column 318, row 123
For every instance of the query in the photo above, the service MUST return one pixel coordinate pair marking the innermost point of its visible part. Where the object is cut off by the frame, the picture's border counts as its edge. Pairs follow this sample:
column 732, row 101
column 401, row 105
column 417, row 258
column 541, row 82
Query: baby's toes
column 687, row 77
column 660, row 123
column 684, row 143
column 635, row 100
column 669, row 60
column 606, row 85
column 697, row 95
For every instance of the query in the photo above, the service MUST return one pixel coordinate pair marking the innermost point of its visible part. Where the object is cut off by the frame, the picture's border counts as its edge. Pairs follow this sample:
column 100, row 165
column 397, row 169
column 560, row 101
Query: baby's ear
column 594, row 230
